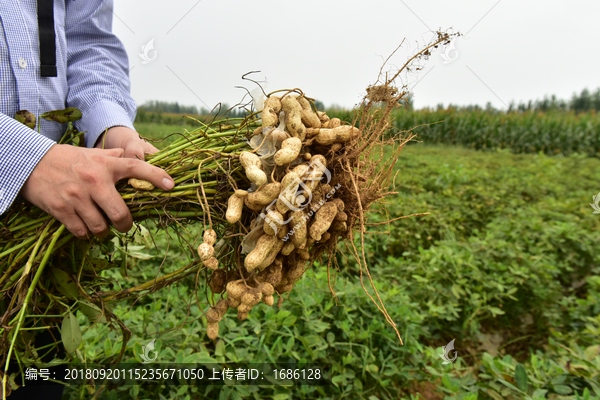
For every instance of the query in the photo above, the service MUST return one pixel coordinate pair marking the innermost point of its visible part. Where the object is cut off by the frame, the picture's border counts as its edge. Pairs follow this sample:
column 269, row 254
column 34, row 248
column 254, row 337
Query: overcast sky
column 511, row 50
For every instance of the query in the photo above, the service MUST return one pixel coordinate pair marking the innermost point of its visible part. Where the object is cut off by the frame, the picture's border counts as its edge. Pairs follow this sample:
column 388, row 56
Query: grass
column 157, row 132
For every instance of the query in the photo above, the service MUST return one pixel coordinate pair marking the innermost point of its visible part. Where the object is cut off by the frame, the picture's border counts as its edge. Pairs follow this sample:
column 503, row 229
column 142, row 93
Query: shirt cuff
column 21, row 148
column 101, row 116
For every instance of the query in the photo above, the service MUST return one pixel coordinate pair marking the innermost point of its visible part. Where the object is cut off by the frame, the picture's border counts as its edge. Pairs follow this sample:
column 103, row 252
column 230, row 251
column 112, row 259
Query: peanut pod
column 299, row 222
column 270, row 112
column 290, row 149
column 139, row 184
column 253, row 167
column 323, row 219
column 235, row 205
column 293, row 117
column 205, row 251
column 210, row 237
column 265, row 195
column 341, row 134
column 263, row 246
column 309, row 118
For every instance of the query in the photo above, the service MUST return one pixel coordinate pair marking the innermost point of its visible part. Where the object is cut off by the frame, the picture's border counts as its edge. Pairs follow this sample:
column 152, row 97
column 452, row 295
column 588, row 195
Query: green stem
column 35, row 250
column 17, row 247
column 30, row 291
column 27, row 224
column 166, row 194
column 188, row 145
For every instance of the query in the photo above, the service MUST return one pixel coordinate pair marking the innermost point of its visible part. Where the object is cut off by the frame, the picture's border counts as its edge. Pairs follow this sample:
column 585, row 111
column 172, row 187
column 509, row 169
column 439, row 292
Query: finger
column 127, row 168
column 93, row 219
column 74, row 224
column 109, row 200
column 135, row 150
column 149, row 148
column 117, row 152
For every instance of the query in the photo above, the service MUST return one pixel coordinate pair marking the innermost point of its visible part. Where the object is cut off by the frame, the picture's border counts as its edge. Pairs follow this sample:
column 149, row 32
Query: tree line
column 585, row 101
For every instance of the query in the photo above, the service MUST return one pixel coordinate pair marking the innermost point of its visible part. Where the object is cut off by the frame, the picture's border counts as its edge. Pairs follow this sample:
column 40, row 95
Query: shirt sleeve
column 97, row 69
column 21, row 148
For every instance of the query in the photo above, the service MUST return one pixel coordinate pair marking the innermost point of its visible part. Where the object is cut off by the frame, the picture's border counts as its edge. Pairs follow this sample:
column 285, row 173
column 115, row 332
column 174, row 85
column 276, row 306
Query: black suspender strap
column 47, row 35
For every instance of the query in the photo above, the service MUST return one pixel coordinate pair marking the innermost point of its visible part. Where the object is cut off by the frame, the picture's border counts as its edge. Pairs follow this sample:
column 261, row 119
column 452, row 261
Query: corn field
column 524, row 132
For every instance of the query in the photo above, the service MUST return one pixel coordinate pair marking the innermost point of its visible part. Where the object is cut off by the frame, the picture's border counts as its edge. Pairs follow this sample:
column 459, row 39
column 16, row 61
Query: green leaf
column 70, row 333
column 372, row 368
column 290, row 343
column 562, row 389
column 182, row 389
column 92, row 311
column 509, row 385
column 206, row 359
column 281, row 396
column 190, row 359
column 131, row 250
column 358, row 385
column 107, row 347
column 521, row 377
column 496, row 311
column 220, row 350
column 142, row 236
column 98, row 264
column 494, row 395
column 137, row 350
column 134, row 391
column 330, row 337
column 63, row 116
column 591, row 352
column 449, row 383
column 64, row 283
column 179, row 357
column 338, row 379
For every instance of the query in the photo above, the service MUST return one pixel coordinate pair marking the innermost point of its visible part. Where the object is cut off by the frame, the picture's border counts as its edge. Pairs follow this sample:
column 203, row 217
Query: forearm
column 21, row 148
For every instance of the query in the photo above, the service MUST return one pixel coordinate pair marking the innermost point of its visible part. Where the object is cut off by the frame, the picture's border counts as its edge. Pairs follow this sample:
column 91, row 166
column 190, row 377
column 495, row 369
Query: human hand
column 74, row 184
column 121, row 137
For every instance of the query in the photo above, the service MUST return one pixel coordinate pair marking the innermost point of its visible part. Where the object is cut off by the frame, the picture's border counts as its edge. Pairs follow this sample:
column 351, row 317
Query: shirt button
column 22, row 63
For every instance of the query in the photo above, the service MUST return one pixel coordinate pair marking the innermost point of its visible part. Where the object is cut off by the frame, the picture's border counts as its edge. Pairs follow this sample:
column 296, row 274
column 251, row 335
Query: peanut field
column 507, row 264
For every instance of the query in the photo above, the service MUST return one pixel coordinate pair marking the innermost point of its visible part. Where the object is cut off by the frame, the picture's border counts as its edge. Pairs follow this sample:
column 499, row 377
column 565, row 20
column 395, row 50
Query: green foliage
column 170, row 107
column 507, row 264
column 529, row 132
column 521, row 132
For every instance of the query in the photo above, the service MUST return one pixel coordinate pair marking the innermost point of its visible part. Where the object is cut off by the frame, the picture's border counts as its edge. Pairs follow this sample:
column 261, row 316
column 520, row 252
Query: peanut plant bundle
column 274, row 192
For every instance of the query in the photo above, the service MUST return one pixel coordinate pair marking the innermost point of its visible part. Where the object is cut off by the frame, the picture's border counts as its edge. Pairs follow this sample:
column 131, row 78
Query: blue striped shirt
column 92, row 76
